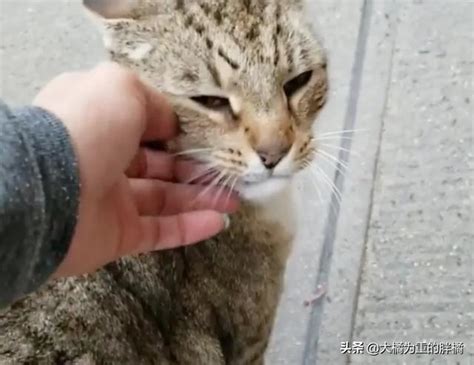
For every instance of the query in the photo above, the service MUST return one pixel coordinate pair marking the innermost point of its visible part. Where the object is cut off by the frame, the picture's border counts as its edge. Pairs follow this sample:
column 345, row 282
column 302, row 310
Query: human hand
column 130, row 201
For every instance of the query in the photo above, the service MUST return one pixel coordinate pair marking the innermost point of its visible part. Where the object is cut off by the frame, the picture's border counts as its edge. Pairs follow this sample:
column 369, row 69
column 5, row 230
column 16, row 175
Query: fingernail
column 226, row 219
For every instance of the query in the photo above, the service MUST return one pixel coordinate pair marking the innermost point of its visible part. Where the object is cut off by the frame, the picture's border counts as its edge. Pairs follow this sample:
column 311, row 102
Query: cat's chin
column 263, row 190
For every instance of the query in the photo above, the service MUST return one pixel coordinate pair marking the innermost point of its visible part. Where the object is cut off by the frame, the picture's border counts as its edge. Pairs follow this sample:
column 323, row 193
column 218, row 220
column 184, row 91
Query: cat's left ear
column 114, row 9
column 110, row 12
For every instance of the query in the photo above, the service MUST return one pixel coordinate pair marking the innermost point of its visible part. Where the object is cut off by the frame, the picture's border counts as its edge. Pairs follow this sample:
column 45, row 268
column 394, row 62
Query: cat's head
column 247, row 79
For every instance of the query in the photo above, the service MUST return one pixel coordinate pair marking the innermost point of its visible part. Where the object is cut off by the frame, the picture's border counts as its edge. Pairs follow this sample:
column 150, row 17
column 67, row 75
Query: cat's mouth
column 251, row 186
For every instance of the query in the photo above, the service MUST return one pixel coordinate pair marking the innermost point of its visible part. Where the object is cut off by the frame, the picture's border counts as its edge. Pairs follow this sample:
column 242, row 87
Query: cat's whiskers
column 320, row 173
column 209, row 171
column 305, row 164
column 339, row 164
column 349, row 151
column 206, row 188
column 315, row 183
column 329, row 182
column 201, row 178
column 194, row 151
column 316, row 186
column 232, row 186
column 339, row 168
column 343, row 132
column 226, row 179
column 332, row 138
column 211, row 185
column 337, row 161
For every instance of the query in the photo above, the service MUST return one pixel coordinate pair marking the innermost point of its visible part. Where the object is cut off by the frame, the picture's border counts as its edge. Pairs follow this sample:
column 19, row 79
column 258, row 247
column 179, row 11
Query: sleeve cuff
column 49, row 144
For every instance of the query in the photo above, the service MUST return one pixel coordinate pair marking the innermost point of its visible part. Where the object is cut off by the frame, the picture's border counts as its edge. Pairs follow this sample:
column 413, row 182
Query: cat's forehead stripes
column 207, row 46
column 258, row 32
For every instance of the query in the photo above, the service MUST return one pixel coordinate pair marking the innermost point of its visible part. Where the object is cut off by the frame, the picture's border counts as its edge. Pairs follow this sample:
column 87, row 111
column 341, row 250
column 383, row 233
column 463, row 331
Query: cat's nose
column 271, row 158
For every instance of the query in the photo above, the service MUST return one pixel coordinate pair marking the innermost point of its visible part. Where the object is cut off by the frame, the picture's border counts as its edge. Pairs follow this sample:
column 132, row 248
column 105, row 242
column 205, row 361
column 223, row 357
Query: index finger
column 161, row 120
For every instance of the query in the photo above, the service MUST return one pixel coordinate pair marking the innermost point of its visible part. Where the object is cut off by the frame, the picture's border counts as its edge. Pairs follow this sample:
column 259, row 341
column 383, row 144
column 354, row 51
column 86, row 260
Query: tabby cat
column 247, row 79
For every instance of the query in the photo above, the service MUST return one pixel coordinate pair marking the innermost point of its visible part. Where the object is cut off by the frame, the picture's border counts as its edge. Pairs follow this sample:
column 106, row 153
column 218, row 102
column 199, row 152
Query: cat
column 247, row 79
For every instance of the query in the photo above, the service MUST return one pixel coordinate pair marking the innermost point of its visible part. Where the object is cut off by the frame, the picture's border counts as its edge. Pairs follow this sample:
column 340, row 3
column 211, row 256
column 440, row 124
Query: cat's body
column 213, row 303
column 207, row 304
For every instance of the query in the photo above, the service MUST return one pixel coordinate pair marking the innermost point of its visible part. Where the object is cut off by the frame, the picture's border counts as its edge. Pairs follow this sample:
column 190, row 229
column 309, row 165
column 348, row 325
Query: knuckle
column 181, row 230
column 114, row 70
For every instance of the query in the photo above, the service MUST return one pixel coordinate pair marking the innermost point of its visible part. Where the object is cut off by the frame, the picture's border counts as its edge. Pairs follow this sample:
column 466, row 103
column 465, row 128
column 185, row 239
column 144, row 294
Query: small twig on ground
column 321, row 291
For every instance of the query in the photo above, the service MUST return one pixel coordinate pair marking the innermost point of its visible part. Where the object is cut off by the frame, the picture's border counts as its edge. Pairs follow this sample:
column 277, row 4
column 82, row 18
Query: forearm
column 39, row 197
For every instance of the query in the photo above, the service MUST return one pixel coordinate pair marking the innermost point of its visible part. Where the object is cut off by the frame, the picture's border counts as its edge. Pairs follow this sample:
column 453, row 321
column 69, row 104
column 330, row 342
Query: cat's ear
column 113, row 9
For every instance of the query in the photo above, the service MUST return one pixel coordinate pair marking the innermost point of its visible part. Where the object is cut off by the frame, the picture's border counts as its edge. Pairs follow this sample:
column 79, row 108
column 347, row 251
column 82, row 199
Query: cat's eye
column 295, row 84
column 212, row 102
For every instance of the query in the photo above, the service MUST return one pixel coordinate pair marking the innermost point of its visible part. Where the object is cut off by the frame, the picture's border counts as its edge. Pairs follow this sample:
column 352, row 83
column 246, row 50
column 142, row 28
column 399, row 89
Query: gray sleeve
column 39, row 198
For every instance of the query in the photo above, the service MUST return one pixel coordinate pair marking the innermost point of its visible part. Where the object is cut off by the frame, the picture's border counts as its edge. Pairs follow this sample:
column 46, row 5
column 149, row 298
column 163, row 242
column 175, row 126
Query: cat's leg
column 193, row 347
column 254, row 354
column 250, row 347
column 260, row 360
